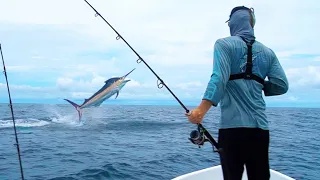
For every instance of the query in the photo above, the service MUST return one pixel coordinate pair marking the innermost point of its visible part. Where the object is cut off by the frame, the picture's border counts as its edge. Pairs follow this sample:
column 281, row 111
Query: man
column 237, row 83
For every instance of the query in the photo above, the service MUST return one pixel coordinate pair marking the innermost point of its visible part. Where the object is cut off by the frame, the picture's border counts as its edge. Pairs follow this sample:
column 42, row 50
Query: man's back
column 241, row 100
column 242, row 104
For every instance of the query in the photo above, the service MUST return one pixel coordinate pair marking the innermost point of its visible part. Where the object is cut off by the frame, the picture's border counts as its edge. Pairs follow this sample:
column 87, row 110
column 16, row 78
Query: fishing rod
column 14, row 124
column 201, row 129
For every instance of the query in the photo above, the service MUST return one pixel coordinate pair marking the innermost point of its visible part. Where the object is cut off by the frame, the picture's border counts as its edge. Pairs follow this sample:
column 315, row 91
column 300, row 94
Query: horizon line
column 170, row 103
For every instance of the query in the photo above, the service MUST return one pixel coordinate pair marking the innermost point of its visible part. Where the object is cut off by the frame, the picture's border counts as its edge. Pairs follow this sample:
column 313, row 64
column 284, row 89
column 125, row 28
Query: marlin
column 111, row 87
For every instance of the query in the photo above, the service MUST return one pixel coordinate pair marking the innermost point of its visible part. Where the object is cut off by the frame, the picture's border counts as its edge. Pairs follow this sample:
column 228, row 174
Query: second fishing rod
column 197, row 136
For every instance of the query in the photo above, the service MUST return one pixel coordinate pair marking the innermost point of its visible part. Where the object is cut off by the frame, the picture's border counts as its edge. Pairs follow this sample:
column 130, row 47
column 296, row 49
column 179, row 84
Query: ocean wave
column 145, row 125
column 108, row 171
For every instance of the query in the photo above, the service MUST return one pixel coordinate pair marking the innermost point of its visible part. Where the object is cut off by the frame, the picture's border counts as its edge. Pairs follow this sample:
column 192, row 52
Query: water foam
column 29, row 122
column 67, row 119
column 59, row 118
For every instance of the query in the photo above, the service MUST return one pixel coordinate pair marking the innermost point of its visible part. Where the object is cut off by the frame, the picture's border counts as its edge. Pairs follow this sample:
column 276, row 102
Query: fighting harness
column 248, row 73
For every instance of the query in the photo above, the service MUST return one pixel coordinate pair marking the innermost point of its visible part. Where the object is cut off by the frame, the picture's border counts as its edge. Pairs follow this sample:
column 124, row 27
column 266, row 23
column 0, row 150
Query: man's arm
column 220, row 76
column 278, row 83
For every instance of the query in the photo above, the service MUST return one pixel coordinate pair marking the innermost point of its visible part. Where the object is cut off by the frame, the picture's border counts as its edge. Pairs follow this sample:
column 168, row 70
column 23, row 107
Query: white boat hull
column 215, row 173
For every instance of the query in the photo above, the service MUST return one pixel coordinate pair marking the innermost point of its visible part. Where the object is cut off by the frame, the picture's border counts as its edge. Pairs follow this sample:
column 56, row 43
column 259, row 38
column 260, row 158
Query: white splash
column 29, row 122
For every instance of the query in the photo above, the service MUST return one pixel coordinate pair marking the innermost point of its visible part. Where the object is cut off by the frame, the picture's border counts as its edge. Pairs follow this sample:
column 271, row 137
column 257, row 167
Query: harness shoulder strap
column 248, row 73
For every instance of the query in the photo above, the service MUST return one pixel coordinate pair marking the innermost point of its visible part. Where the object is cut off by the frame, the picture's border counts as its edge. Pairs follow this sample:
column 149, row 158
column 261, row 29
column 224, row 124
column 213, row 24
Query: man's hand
column 196, row 116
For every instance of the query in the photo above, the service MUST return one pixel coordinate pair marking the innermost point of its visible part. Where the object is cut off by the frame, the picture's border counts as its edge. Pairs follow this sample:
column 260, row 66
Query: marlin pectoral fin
column 117, row 94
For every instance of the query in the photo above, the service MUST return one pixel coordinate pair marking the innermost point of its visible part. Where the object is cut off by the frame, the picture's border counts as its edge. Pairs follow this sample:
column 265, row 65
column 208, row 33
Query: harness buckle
column 247, row 76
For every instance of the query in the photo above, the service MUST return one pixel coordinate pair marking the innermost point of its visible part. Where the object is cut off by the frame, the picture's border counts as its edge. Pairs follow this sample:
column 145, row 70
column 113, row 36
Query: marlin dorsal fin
column 85, row 100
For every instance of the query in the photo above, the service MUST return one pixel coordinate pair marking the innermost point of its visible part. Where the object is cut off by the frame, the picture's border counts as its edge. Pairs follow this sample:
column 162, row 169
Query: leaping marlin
column 112, row 86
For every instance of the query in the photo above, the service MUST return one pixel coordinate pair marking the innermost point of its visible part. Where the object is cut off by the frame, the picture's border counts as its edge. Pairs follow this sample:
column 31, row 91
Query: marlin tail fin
column 77, row 108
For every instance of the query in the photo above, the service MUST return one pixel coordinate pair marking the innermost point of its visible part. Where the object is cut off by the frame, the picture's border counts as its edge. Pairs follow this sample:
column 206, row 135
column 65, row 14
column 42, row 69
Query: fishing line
column 14, row 124
column 160, row 82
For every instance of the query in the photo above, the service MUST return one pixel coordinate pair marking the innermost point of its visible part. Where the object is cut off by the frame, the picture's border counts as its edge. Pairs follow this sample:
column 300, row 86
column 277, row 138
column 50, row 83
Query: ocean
column 139, row 142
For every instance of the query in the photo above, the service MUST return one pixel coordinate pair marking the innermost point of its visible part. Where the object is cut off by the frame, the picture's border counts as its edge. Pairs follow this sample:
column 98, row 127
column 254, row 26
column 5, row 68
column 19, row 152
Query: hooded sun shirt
column 241, row 101
column 240, row 25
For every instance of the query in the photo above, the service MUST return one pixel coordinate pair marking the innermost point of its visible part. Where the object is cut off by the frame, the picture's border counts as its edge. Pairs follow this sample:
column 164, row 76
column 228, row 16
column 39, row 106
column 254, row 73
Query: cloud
column 72, row 84
column 292, row 98
column 302, row 79
column 80, row 95
column 317, row 58
column 190, row 85
column 144, row 96
column 27, row 91
column 165, row 32
column 37, row 57
column 64, row 83
column 285, row 100
column 133, row 84
column 20, row 68
column 63, row 54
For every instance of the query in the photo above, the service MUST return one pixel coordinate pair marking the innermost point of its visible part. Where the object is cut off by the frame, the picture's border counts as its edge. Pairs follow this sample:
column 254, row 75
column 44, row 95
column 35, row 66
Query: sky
column 56, row 49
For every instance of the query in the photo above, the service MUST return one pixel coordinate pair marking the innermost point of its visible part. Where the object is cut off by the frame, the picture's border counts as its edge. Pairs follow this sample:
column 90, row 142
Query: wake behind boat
column 215, row 173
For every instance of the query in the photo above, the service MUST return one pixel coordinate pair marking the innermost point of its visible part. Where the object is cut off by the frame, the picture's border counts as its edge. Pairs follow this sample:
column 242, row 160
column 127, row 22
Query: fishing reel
column 198, row 137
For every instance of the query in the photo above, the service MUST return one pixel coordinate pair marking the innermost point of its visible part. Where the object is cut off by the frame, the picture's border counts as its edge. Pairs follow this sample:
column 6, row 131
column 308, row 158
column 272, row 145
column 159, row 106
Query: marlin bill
column 111, row 87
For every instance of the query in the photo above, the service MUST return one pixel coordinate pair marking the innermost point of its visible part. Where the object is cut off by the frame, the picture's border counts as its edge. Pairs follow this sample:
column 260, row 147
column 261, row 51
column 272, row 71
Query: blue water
column 139, row 142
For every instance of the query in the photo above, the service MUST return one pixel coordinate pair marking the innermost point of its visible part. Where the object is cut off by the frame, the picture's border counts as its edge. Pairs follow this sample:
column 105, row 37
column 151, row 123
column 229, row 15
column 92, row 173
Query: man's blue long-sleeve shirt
column 241, row 101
